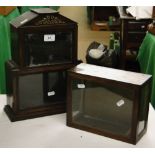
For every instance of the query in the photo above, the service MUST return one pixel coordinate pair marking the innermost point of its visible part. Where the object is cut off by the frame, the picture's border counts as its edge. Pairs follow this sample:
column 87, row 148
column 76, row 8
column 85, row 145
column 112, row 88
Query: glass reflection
column 102, row 107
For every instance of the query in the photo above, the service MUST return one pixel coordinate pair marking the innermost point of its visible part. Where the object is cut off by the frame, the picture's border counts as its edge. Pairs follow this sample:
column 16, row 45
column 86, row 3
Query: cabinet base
column 28, row 114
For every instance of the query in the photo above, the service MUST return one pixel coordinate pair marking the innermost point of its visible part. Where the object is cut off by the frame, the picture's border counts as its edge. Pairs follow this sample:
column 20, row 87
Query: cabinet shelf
column 104, row 18
column 132, row 34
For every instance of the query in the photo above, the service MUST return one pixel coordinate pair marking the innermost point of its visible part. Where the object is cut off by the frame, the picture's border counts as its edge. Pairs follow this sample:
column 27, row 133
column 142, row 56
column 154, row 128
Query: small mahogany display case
column 34, row 93
column 44, row 47
column 109, row 102
column 43, row 37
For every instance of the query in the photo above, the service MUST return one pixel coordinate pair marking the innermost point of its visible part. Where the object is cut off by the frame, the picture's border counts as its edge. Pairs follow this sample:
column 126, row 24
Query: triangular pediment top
column 41, row 17
column 48, row 19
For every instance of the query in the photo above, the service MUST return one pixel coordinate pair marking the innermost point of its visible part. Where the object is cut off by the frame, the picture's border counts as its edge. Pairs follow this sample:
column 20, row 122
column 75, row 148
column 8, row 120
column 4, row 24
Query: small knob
column 143, row 26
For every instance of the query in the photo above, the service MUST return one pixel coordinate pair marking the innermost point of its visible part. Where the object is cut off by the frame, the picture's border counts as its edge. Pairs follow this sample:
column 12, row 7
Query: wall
column 85, row 34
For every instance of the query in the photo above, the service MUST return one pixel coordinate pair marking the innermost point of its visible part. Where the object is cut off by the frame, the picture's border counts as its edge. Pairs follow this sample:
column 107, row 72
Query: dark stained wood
column 153, row 12
column 33, row 113
column 35, row 23
column 45, row 75
column 13, row 110
column 129, row 81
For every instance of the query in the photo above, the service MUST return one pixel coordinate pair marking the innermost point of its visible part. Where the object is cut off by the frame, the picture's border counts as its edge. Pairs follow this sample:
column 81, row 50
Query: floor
column 51, row 131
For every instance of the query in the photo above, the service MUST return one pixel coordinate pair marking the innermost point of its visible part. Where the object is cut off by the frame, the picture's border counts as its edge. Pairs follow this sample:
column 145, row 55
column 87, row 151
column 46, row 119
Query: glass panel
column 9, row 85
column 49, row 48
column 42, row 89
column 55, row 87
column 101, row 107
column 143, row 115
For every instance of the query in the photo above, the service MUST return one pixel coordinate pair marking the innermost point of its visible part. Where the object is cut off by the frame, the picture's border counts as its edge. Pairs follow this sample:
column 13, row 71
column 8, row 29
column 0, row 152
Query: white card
column 80, row 85
column 49, row 37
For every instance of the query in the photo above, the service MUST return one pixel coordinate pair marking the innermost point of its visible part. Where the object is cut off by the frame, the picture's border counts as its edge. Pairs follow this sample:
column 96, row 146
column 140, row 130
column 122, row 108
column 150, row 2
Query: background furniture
column 146, row 58
column 5, row 47
column 103, row 18
column 132, row 33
